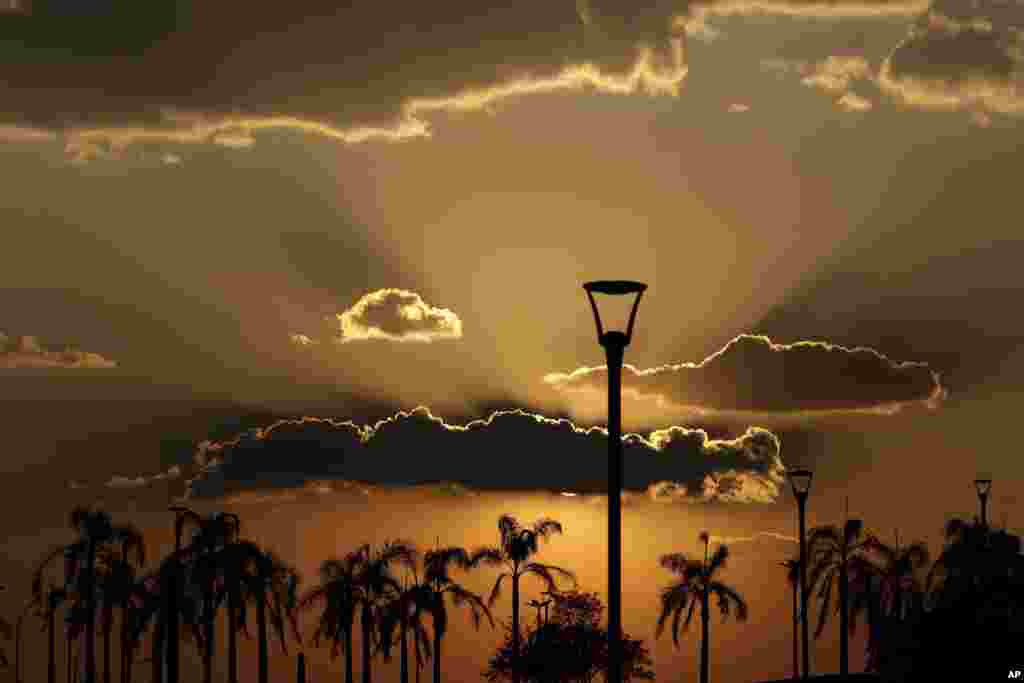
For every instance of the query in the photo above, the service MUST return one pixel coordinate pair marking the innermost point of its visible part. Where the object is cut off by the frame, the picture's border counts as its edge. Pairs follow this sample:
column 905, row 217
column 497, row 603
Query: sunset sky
column 304, row 260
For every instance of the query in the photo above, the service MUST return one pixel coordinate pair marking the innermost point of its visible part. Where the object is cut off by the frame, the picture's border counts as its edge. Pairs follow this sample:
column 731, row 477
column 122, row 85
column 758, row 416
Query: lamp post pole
column 801, row 482
column 983, row 487
column 802, row 502
column 614, row 343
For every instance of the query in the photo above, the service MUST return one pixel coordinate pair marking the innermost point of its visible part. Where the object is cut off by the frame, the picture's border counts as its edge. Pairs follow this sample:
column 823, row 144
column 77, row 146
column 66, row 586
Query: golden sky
column 214, row 220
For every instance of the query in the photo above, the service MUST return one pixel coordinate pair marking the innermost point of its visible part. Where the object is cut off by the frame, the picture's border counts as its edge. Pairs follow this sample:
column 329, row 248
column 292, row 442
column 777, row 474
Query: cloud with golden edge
column 421, row 451
column 962, row 55
column 696, row 21
column 651, row 73
column 396, row 315
column 752, row 374
column 26, row 352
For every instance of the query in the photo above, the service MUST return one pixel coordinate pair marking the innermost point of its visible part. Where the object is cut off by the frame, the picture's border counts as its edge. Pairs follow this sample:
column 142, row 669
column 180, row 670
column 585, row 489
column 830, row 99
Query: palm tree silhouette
column 518, row 545
column 830, row 551
column 118, row 582
column 696, row 583
column 404, row 613
column 46, row 601
column 377, row 584
column 439, row 584
column 337, row 593
column 95, row 529
column 793, row 579
column 263, row 571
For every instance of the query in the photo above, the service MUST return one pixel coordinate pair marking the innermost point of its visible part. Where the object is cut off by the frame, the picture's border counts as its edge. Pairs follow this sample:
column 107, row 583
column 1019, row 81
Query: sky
column 314, row 258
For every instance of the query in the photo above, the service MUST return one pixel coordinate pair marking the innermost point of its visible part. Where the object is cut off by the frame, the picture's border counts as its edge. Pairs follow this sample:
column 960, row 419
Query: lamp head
column 614, row 288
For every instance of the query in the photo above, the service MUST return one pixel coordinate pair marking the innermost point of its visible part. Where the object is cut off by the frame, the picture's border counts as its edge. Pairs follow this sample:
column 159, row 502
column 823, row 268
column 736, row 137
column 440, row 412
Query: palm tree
column 518, row 545
column 95, row 529
column 830, row 551
column 793, row 579
column 263, row 571
column 404, row 613
column 376, row 585
column 46, row 601
column 438, row 585
column 117, row 584
column 696, row 583
column 337, row 592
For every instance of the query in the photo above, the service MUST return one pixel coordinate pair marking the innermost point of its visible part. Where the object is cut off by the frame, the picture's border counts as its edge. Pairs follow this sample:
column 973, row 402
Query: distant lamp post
column 983, row 487
column 801, row 482
column 614, row 343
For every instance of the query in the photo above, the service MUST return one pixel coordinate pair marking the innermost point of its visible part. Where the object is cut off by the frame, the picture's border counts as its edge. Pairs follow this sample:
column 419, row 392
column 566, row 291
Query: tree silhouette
column 830, row 551
column 439, row 586
column 337, row 593
column 695, row 585
column 518, row 545
column 570, row 646
column 404, row 613
column 262, row 581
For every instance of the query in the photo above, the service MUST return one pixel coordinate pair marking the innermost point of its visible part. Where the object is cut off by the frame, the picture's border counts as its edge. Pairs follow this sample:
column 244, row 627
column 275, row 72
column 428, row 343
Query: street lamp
column 983, row 487
column 801, row 482
column 614, row 343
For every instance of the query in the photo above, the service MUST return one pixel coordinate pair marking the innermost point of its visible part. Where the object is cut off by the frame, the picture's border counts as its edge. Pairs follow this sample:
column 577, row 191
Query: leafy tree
column 518, row 544
column 570, row 647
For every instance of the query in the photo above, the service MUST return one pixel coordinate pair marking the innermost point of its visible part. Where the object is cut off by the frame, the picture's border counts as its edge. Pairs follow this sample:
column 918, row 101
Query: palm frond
column 496, row 591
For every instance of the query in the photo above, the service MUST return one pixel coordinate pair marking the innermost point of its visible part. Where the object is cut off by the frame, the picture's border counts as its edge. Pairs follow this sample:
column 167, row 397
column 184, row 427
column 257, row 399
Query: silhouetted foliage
column 695, row 585
column 570, row 647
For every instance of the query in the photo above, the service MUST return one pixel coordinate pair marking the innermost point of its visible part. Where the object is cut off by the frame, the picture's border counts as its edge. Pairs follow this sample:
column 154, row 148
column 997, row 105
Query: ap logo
column 1016, row 674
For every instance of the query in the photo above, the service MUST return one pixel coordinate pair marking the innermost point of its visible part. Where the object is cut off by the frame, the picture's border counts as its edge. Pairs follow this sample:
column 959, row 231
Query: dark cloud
column 961, row 54
column 513, row 450
column 752, row 373
column 184, row 71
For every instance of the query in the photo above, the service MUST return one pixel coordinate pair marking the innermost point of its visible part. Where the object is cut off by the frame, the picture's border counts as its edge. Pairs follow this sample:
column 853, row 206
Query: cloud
column 853, row 102
column 22, row 134
column 26, row 352
column 737, row 108
column 761, row 535
column 961, row 55
column 753, row 374
column 510, row 450
column 696, row 22
column 302, row 340
column 122, row 482
column 397, row 315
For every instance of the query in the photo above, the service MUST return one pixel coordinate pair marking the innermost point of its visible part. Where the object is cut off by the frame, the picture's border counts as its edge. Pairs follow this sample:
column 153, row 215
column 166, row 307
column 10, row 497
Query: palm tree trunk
column 51, row 659
column 348, row 654
column 106, row 646
column 796, row 632
column 437, row 656
column 367, row 626
column 90, row 616
column 404, row 653
column 261, row 628
column 705, row 619
column 844, row 610
column 515, row 625
column 67, row 657
column 208, row 617
column 158, row 648
column 232, row 636
column 125, row 654
column 172, row 631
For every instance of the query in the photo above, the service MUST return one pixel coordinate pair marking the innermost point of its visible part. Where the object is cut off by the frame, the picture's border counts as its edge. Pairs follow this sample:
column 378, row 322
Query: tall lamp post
column 801, row 482
column 614, row 343
column 983, row 487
